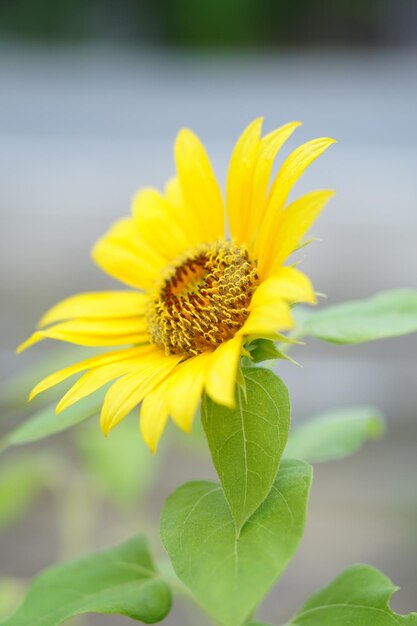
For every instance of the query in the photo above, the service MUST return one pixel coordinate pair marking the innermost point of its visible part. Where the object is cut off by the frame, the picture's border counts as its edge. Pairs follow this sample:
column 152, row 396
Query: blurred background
column 92, row 95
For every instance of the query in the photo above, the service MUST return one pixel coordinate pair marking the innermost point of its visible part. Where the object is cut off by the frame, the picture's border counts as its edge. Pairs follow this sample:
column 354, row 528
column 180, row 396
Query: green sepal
column 246, row 443
column 229, row 577
column 266, row 350
column 121, row 580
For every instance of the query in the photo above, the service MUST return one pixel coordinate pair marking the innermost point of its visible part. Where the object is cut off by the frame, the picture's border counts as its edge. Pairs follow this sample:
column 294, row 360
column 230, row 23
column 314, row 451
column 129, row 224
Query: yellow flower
column 198, row 295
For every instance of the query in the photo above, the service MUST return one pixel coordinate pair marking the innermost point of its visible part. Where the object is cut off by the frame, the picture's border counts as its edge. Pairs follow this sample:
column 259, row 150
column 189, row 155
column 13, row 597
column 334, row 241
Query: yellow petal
column 240, row 179
column 126, row 256
column 268, row 150
column 76, row 368
column 287, row 284
column 296, row 220
column 113, row 332
column 222, row 371
column 125, row 233
column 175, row 197
column 201, row 192
column 184, row 389
column 129, row 391
column 292, row 169
column 266, row 319
column 269, row 308
column 173, row 193
column 153, row 417
column 105, row 304
column 93, row 380
column 159, row 223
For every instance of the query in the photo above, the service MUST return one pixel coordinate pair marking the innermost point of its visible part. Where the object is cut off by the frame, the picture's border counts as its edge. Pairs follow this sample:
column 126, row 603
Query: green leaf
column 230, row 576
column 45, row 422
column 15, row 389
column 265, row 350
column 121, row 580
column 246, row 443
column 121, row 465
column 386, row 314
column 334, row 434
column 20, row 483
column 359, row 596
column 11, row 593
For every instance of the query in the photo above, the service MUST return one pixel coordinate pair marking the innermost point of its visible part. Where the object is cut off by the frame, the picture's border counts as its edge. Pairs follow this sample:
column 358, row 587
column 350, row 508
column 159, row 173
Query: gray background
column 81, row 128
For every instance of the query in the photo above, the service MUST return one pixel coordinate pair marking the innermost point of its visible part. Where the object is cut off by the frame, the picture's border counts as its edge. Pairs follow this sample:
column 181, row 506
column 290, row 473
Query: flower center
column 202, row 299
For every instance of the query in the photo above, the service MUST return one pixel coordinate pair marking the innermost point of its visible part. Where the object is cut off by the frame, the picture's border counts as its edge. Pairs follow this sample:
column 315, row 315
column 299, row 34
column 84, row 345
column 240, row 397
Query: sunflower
column 198, row 295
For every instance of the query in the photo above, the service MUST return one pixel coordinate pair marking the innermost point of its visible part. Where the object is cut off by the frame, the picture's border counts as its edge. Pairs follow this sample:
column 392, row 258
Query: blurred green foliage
column 212, row 23
column 11, row 593
column 20, row 483
column 120, row 466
